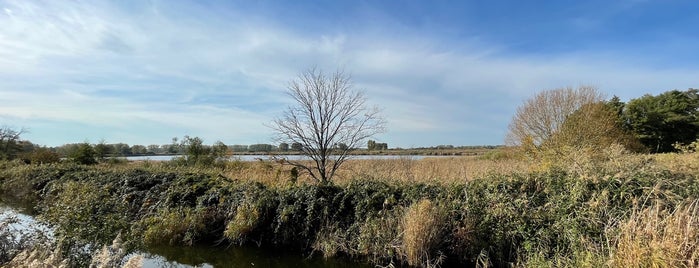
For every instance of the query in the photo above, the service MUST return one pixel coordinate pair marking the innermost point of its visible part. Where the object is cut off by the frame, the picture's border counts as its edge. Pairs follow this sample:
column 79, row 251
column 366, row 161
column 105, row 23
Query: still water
column 198, row 256
column 237, row 257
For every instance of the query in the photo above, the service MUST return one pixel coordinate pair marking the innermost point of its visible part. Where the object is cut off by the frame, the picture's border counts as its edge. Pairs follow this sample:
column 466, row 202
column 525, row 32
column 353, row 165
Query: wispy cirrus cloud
column 143, row 72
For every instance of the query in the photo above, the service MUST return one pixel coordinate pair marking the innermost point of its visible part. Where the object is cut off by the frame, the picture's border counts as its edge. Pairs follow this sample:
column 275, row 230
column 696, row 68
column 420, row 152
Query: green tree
column 174, row 147
column 239, row 148
column 371, row 145
column 66, row 149
column 260, row 147
column 617, row 106
column 219, row 150
column 84, row 154
column 283, row 147
column 102, row 150
column 122, row 149
column 154, row 149
column 138, row 149
column 592, row 128
column 194, row 149
column 341, row 146
column 663, row 120
column 196, row 153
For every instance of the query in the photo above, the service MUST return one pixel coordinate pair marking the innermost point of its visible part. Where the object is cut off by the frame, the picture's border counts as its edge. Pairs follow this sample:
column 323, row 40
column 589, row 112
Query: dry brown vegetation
column 423, row 230
column 581, row 209
column 405, row 169
column 439, row 170
column 658, row 237
column 540, row 117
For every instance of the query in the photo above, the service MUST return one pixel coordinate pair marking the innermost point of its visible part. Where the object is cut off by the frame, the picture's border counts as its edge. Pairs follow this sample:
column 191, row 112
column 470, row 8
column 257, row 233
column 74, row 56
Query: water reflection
column 197, row 256
column 25, row 222
column 237, row 257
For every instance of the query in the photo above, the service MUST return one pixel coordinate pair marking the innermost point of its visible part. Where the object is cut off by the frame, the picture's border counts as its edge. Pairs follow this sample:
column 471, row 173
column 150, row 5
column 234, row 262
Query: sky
column 443, row 72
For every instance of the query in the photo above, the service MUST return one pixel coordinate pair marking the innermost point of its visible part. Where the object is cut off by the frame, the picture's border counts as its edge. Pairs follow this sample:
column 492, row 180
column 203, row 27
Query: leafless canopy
column 542, row 116
column 329, row 119
column 8, row 141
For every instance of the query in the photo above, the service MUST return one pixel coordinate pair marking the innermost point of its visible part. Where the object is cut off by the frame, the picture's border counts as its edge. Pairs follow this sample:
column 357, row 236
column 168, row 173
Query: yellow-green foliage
column 379, row 237
column 87, row 210
column 687, row 148
column 173, row 226
column 330, row 240
column 653, row 236
column 423, row 230
column 682, row 162
column 247, row 217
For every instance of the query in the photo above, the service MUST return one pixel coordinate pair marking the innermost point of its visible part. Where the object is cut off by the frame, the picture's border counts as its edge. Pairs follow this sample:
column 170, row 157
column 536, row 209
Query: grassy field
column 494, row 209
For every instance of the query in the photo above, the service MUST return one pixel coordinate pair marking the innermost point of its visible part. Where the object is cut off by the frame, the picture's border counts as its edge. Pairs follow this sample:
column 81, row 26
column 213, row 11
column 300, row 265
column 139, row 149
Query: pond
column 198, row 256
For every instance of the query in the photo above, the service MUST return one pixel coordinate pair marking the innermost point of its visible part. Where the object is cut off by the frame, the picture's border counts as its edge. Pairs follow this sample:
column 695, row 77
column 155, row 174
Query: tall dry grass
column 246, row 218
column 433, row 170
column 44, row 256
column 679, row 162
column 658, row 237
column 423, row 229
column 406, row 169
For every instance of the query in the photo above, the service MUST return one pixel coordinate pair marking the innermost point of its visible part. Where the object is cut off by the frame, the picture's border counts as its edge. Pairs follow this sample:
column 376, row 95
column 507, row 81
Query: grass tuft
column 246, row 219
column 423, row 230
column 659, row 237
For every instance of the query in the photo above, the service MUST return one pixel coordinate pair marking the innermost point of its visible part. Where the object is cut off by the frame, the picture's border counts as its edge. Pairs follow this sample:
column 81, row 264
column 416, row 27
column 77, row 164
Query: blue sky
column 444, row 72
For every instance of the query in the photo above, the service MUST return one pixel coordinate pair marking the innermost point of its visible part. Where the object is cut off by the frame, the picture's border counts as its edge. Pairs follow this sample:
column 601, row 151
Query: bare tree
column 539, row 118
column 8, row 141
column 327, row 111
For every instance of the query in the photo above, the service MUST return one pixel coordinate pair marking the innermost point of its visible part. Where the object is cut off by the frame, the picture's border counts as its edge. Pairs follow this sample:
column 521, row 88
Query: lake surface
column 257, row 157
column 200, row 256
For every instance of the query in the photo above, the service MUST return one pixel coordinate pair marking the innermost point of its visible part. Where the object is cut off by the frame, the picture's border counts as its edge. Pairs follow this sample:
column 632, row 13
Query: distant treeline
column 659, row 123
column 470, row 147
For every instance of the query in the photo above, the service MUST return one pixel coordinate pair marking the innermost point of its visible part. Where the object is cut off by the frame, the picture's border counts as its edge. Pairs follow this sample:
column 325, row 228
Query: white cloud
column 103, row 66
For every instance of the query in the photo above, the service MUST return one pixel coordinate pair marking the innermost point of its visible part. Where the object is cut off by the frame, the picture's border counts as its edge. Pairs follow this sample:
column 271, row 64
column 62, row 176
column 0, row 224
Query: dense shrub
column 85, row 209
column 83, row 154
column 556, row 217
column 41, row 156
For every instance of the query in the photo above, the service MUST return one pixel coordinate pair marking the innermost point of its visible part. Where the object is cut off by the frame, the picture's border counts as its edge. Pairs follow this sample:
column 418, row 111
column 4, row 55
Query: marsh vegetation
column 483, row 211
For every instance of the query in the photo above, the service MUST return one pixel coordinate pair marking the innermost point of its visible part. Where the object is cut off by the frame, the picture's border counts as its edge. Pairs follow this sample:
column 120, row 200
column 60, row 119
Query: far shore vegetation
column 583, row 181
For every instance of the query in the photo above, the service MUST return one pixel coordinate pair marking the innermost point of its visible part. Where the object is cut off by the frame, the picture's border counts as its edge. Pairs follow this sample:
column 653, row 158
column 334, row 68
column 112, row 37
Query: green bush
column 83, row 154
column 173, row 226
column 86, row 210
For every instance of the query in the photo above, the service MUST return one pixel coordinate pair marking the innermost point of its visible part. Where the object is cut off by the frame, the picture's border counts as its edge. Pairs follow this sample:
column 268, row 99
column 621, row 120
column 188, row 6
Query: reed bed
column 658, row 237
column 433, row 170
column 606, row 210
column 405, row 169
